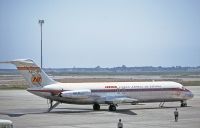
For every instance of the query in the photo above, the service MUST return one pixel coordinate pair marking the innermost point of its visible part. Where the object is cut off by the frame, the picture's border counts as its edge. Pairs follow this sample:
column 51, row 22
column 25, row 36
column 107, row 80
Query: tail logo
column 36, row 79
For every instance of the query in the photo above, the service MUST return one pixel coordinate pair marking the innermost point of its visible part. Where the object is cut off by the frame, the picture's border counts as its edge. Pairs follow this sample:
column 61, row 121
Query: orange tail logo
column 36, row 79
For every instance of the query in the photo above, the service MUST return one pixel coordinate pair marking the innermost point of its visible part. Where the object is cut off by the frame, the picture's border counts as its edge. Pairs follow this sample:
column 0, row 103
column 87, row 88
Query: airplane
column 110, row 93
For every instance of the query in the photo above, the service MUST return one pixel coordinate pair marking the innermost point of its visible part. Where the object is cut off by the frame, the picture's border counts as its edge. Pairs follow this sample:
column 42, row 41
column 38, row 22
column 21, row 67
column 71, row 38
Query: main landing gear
column 112, row 107
column 96, row 107
column 183, row 104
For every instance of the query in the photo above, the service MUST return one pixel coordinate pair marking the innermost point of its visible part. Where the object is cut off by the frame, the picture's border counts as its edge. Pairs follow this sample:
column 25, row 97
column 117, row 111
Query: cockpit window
column 185, row 89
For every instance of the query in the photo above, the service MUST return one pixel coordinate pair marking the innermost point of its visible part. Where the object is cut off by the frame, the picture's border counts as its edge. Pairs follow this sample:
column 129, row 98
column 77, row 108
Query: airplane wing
column 118, row 100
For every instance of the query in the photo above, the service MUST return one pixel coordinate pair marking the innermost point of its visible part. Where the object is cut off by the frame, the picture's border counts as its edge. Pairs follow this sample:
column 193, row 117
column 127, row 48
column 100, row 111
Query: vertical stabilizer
column 33, row 74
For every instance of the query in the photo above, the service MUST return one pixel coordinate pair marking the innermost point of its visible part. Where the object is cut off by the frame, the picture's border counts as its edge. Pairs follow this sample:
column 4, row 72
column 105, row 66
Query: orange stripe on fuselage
column 28, row 68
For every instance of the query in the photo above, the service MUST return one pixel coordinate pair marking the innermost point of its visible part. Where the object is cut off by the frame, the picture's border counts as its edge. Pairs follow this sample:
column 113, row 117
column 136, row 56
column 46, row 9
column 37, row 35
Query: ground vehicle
column 6, row 124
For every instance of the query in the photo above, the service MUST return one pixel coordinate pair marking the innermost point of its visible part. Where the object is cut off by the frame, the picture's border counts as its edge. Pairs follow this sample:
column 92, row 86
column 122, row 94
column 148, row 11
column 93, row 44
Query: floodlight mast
column 41, row 22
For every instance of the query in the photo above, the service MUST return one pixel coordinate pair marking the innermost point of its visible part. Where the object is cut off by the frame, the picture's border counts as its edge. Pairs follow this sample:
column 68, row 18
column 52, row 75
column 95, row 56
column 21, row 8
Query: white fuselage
column 142, row 91
column 111, row 93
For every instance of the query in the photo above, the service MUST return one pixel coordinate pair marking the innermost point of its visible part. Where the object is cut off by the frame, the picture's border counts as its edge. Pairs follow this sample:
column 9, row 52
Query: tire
column 184, row 105
column 112, row 107
column 96, row 107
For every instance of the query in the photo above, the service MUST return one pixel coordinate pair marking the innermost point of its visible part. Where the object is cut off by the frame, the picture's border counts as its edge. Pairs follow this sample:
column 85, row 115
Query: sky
column 106, row 33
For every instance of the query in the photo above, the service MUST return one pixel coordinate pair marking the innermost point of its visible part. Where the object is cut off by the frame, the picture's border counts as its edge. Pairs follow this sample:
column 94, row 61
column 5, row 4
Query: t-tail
column 33, row 74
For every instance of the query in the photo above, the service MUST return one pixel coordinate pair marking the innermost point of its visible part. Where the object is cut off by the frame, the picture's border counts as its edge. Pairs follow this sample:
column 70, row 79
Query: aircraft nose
column 190, row 94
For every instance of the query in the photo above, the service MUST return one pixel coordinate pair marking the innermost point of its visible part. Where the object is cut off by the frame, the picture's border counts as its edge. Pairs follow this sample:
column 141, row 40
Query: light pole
column 41, row 22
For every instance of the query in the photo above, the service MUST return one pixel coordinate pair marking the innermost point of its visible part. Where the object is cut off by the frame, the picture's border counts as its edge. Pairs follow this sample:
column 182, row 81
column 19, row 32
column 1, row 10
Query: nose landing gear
column 183, row 104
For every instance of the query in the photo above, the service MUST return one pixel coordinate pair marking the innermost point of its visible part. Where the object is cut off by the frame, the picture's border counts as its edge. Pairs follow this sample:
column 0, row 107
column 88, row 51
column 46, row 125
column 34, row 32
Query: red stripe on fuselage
column 28, row 68
column 135, row 90
column 49, row 91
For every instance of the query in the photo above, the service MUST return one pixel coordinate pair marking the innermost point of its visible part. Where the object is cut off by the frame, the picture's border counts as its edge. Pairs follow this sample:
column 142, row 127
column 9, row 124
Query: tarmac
column 26, row 110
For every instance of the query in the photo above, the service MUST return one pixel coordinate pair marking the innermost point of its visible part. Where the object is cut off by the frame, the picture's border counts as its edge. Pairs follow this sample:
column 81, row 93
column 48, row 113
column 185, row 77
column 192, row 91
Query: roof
column 5, row 122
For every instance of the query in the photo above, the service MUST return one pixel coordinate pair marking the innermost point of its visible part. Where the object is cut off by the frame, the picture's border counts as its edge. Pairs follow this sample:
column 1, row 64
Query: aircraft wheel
column 96, row 107
column 112, row 107
column 183, row 104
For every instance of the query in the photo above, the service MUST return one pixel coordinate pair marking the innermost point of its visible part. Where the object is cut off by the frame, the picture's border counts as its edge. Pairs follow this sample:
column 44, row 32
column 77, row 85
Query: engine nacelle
column 76, row 94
